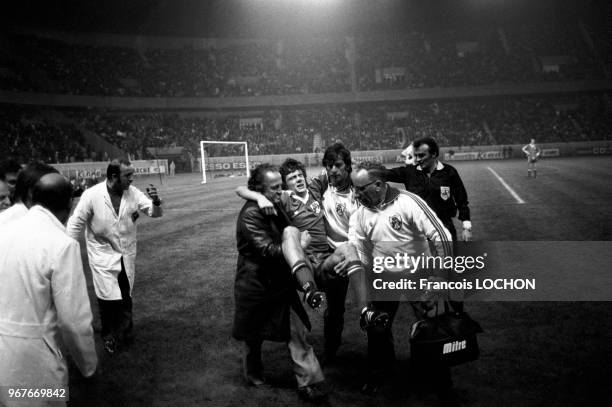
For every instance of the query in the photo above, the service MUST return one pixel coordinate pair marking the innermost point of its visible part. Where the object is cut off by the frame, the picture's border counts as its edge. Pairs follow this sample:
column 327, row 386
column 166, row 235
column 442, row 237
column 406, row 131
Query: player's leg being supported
column 332, row 275
column 301, row 268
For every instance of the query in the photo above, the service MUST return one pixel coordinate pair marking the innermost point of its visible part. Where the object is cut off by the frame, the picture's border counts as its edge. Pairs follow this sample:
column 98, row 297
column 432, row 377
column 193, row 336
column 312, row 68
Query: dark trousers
column 116, row 315
column 335, row 289
column 448, row 223
column 381, row 355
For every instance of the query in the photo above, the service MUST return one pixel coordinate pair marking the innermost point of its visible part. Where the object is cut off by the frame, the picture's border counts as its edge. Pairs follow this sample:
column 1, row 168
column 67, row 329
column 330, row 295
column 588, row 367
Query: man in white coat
column 44, row 307
column 22, row 193
column 109, row 211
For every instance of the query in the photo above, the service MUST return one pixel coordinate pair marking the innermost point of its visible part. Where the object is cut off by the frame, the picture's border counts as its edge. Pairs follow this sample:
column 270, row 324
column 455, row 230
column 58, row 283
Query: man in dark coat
column 267, row 304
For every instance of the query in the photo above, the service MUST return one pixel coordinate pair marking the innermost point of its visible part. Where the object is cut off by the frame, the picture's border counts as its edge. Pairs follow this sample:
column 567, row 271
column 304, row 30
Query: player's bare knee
column 291, row 232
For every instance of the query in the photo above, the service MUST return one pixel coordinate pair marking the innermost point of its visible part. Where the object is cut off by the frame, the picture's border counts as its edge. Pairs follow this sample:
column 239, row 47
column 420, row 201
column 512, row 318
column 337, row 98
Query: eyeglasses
column 363, row 187
column 420, row 155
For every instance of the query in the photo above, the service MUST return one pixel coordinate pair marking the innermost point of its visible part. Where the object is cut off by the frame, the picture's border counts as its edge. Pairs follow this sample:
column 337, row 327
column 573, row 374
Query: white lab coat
column 13, row 213
column 109, row 236
column 44, row 307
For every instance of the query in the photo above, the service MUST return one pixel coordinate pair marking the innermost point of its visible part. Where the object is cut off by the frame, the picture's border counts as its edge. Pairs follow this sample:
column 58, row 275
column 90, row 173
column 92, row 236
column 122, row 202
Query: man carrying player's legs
column 267, row 307
column 388, row 215
column 331, row 267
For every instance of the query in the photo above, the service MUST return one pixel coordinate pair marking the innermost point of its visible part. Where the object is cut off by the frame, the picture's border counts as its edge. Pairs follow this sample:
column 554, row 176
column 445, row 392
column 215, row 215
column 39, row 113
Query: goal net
column 224, row 159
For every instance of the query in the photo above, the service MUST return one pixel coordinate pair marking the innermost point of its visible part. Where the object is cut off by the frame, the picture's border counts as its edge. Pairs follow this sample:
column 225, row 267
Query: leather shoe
column 255, row 380
column 370, row 389
column 314, row 393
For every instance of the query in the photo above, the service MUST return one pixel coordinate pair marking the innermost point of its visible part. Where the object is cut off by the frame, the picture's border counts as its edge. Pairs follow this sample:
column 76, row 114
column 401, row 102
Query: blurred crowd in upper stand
column 564, row 51
column 57, row 135
column 519, row 54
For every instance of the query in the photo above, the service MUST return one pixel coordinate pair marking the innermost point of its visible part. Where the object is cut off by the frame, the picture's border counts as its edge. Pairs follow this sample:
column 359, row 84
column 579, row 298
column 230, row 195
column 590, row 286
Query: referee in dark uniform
column 441, row 187
column 438, row 184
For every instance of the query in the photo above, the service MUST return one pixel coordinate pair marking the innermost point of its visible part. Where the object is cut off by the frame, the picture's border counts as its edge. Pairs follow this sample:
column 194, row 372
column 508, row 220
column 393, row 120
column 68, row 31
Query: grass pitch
column 532, row 353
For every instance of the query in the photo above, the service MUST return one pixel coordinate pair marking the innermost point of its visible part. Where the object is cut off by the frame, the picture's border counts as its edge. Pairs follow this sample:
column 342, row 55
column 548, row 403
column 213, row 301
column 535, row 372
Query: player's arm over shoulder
column 318, row 185
column 397, row 174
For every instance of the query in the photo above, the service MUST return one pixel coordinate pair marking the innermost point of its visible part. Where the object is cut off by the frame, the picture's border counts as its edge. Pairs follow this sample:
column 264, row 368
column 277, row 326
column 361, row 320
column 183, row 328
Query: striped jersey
column 306, row 214
column 337, row 208
column 403, row 224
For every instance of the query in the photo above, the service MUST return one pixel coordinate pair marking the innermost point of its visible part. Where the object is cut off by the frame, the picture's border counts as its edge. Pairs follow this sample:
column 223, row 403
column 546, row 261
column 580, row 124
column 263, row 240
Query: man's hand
column 372, row 319
column 340, row 269
column 305, row 239
column 266, row 206
column 466, row 235
column 152, row 192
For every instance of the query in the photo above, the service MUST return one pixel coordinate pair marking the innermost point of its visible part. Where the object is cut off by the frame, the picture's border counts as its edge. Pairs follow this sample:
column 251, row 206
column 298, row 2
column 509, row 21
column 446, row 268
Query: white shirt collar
column 299, row 198
column 37, row 209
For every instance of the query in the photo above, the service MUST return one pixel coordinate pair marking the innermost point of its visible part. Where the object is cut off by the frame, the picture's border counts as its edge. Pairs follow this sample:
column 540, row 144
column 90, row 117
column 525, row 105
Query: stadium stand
column 566, row 50
column 58, row 137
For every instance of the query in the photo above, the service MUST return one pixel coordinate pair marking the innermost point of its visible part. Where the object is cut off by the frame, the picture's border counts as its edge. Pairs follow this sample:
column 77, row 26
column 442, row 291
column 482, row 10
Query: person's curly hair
column 335, row 151
column 288, row 166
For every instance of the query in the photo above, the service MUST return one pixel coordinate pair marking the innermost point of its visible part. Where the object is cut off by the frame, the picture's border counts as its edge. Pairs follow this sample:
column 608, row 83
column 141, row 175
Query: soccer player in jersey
column 532, row 151
column 389, row 215
column 408, row 154
column 334, row 189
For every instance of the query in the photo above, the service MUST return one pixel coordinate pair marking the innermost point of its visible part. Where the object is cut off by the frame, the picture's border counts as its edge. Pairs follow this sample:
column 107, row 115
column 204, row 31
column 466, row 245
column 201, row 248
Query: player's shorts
column 532, row 160
column 317, row 259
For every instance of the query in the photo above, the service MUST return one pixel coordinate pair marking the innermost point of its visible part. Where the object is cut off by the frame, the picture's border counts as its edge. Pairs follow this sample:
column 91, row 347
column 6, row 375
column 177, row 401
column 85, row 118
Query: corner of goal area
column 224, row 160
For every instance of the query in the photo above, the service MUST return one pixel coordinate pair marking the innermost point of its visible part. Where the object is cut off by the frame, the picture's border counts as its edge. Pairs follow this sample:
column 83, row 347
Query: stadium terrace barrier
column 274, row 101
column 97, row 169
column 138, row 41
column 495, row 152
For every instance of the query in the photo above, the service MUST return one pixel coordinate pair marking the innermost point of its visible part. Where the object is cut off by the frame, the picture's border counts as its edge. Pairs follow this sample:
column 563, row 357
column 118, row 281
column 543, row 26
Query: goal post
column 203, row 155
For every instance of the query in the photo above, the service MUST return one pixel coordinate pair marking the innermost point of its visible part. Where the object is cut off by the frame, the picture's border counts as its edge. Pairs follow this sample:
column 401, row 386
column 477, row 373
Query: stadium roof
column 274, row 18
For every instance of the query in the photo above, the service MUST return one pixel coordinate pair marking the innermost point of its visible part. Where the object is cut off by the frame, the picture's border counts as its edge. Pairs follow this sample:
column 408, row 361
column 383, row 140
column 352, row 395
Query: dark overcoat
column 264, row 289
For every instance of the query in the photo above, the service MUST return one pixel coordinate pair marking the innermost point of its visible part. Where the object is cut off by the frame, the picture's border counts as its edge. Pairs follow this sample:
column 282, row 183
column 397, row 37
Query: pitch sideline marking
column 508, row 187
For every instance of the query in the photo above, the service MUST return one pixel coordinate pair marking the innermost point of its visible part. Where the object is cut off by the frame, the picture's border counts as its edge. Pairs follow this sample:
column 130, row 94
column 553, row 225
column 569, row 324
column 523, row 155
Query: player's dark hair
column 433, row 146
column 333, row 152
column 288, row 166
column 375, row 170
column 56, row 196
column 256, row 179
column 28, row 177
column 114, row 167
column 9, row 167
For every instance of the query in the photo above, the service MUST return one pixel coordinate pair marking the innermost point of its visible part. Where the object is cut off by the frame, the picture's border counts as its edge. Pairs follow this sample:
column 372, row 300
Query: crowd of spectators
column 454, row 57
column 258, row 68
column 28, row 137
column 59, row 136
column 365, row 127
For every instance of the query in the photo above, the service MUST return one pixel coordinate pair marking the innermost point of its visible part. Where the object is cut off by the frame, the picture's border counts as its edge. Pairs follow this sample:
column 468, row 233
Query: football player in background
column 532, row 151
column 408, row 154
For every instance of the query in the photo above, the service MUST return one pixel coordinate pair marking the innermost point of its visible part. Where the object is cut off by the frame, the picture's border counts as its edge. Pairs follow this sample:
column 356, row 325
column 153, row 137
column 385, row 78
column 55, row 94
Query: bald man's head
column 54, row 192
column 27, row 178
